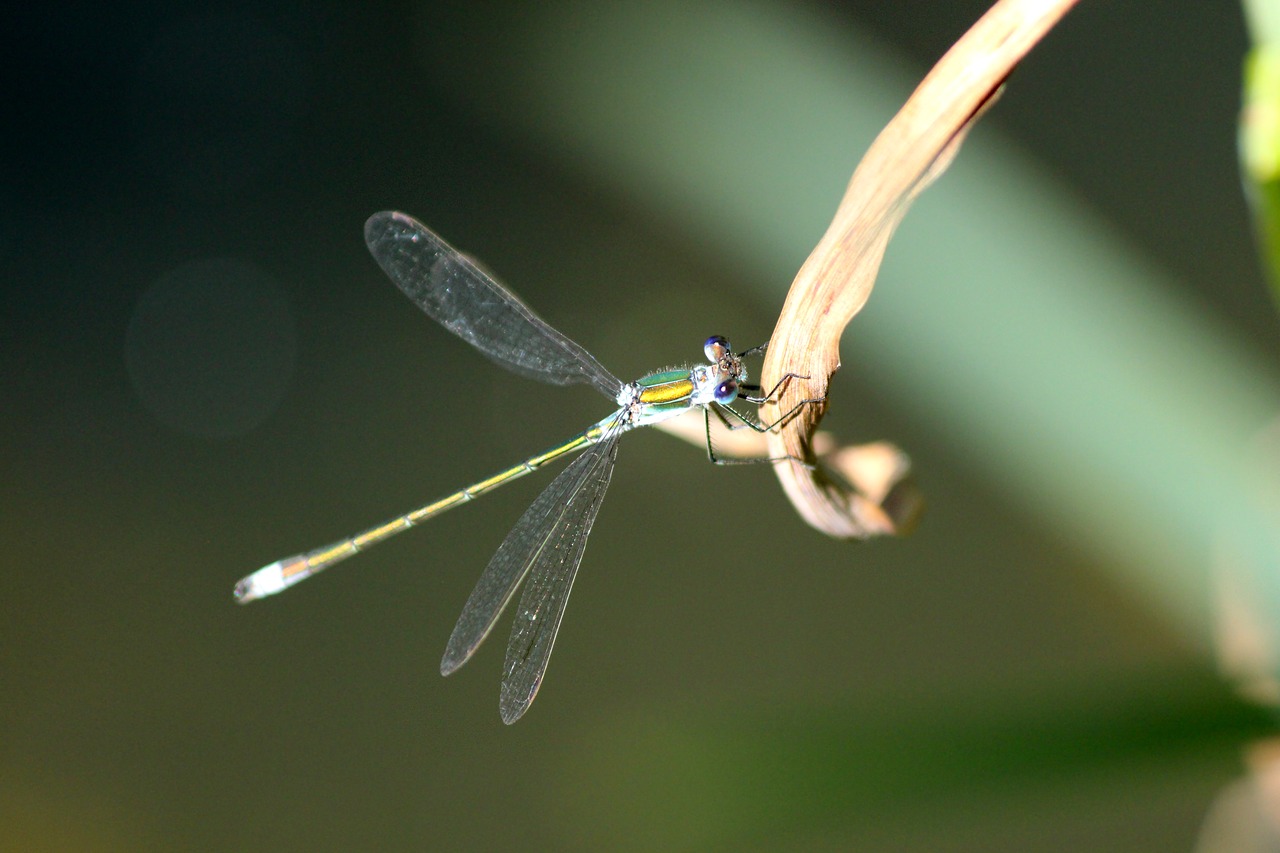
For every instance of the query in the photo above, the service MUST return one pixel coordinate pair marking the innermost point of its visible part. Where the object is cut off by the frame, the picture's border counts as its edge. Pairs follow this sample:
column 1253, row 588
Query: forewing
column 554, row 510
column 553, row 566
column 467, row 301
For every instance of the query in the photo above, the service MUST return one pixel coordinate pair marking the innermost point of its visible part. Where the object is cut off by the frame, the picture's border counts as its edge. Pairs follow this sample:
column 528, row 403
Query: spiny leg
column 758, row 401
column 745, row 420
column 760, row 428
column 774, row 392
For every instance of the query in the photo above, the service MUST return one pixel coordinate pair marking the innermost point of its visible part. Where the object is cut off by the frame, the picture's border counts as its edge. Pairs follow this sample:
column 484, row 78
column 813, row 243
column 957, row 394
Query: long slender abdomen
column 282, row 574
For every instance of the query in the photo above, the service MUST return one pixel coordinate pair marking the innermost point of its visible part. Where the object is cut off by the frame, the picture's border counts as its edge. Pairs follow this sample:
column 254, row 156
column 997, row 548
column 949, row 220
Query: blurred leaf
column 1260, row 132
column 726, row 780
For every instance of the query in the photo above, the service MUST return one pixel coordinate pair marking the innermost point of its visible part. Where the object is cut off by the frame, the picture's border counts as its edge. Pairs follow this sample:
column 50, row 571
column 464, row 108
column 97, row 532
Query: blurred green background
column 204, row 371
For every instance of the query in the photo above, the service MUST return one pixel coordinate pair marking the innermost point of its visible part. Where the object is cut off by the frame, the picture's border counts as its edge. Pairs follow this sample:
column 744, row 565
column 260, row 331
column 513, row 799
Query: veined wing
column 553, row 566
column 566, row 508
column 467, row 301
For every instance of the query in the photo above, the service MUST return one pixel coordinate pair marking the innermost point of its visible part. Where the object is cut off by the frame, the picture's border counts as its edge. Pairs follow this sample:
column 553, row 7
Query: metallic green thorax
column 666, row 391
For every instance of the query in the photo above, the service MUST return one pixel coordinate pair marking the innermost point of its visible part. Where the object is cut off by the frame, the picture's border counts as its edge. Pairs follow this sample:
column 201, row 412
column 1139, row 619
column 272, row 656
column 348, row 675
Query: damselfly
column 547, row 543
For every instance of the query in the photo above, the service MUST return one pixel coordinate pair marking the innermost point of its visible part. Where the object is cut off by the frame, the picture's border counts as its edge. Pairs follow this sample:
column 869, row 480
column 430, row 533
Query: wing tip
column 514, row 701
column 375, row 226
column 454, row 657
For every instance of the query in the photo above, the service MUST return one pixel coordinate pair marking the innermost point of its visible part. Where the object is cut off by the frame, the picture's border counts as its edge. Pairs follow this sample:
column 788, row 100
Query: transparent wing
column 470, row 303
column 554, row 564
column 566, row 509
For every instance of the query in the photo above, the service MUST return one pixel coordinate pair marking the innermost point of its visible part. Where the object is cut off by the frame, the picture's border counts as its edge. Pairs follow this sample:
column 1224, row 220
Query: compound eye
column 716, row 348
column 726, row 392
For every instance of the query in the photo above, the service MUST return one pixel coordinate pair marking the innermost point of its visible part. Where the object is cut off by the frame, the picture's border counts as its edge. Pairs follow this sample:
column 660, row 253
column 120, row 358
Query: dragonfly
column 546, row 546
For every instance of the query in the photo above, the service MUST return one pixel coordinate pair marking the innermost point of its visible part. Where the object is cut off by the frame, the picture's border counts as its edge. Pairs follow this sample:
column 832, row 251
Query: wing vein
column 469, row 302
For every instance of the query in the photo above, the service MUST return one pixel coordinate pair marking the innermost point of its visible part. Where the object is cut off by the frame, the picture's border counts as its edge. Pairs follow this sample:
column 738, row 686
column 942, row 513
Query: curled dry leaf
column 854, row 492
column 848, row 493
column 876, row 472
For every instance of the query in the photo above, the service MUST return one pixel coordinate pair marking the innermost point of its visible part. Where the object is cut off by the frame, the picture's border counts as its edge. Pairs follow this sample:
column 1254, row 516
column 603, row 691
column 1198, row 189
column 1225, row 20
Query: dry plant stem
column 835, row 281
column 877, row 471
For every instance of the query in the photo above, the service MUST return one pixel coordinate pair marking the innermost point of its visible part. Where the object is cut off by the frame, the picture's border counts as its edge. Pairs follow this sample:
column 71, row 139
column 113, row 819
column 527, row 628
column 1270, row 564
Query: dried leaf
column 834, row 283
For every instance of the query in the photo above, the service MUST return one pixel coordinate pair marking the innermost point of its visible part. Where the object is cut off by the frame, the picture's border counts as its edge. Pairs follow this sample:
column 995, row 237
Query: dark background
column 203, row 371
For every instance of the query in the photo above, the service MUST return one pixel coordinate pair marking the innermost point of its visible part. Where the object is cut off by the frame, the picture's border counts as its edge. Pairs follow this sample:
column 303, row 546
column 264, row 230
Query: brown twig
column 834, row 283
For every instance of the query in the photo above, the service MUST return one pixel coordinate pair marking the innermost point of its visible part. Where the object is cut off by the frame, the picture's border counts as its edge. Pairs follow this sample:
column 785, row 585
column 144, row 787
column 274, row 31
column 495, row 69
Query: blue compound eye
column 726, row 392
column 716, row 348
